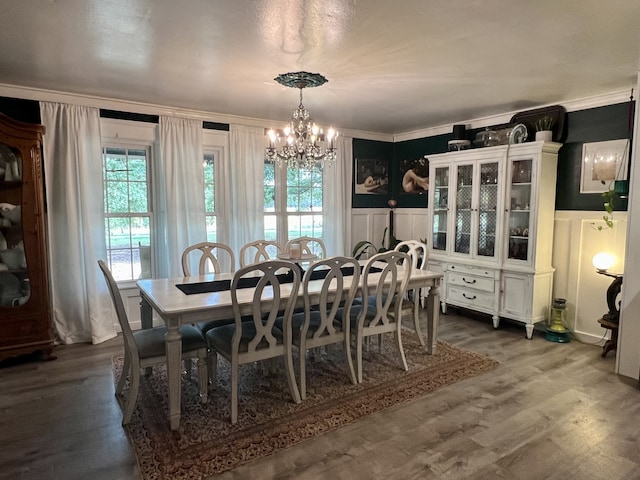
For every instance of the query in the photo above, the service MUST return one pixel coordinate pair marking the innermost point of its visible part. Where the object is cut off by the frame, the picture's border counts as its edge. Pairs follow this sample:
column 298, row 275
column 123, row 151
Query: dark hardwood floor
column 549, row 411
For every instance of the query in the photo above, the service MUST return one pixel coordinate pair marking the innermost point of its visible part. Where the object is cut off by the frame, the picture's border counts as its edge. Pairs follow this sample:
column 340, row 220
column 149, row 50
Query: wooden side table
column 612, row 343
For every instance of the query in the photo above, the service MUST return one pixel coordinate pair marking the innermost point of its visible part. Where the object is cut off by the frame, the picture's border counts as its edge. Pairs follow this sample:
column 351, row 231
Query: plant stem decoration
column 608, row 198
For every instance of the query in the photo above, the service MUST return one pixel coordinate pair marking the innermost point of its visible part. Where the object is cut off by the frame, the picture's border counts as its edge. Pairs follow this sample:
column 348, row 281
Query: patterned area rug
column 268, row 420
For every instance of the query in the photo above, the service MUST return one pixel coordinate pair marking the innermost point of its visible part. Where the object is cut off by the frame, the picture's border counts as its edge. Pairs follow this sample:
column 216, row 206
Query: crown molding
column 45, row 95
column 39, row 94
column 480, row 122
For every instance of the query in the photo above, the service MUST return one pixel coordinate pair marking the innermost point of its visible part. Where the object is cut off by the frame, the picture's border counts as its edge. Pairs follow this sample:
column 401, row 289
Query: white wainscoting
column 131, row 299
column 369, row 224
column 576, row 240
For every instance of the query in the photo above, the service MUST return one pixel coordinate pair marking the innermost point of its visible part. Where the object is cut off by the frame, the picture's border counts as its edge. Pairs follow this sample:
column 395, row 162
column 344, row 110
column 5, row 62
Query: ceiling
column 393, row 66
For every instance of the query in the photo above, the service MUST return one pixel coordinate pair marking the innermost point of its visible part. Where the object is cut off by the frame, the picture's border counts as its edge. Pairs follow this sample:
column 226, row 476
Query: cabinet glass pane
column 464, row 190
column 519, row 221
column 14, row 275
column 440, row 208
column 487, row 209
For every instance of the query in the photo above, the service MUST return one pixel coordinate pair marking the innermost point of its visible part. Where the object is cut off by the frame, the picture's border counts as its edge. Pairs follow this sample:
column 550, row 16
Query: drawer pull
column 473, row 297
column 470, row 282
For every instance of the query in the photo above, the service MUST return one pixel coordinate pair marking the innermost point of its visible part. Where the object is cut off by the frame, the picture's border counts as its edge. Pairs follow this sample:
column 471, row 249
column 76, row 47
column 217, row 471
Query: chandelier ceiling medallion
column 302, row 141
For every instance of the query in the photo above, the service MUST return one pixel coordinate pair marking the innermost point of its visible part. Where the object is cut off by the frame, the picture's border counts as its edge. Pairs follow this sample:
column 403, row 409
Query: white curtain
column 337, row 200
column 81, row 304
column 180, row 209
column 246, row 185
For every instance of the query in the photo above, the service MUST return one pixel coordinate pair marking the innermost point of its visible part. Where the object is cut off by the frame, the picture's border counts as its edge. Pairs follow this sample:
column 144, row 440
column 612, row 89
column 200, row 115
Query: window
column 128, row 216
column 270, row 217
column 292, row 203
column 210, row 196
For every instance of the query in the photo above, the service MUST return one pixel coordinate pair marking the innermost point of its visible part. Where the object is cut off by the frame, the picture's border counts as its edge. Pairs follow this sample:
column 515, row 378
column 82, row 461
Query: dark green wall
column 610, row 122
column 585, row 126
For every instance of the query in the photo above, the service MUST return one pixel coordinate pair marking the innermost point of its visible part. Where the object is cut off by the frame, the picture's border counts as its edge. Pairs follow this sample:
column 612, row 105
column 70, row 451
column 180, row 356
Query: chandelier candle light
column 302, row 138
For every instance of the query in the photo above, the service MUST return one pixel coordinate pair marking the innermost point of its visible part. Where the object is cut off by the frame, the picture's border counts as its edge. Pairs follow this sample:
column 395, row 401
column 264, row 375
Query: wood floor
column 550, row 411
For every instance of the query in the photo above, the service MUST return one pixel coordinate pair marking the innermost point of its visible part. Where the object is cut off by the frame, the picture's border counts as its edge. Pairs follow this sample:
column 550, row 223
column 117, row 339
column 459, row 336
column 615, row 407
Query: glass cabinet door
column 440, row 208
column 463, row 214
column 14, row 278
column 518, row 210
column 487, row 209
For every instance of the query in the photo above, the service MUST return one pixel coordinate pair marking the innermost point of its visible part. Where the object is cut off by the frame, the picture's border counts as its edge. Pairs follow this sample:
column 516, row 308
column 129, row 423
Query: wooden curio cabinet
column 25, row 311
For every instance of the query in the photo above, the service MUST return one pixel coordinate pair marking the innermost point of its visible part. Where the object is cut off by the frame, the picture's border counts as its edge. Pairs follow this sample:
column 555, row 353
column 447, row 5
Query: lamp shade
column 603, row 261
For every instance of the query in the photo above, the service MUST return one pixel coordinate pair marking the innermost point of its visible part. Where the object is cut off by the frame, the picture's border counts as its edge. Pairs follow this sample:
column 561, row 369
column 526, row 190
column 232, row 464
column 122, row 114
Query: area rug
column 268, row 420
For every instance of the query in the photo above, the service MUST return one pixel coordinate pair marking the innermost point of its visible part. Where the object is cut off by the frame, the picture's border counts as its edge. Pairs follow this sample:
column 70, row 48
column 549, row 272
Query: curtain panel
column 337, row 200
column 178, row 178
column 245, row 195
column 72, row 159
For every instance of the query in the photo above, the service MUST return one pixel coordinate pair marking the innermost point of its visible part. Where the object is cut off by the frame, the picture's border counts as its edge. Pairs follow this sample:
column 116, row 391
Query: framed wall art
column 372, row 177
column 602, row 164
column 414, row 176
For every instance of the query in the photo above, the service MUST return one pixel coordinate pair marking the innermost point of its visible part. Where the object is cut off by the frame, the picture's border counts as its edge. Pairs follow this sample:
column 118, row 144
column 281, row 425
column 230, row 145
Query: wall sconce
column 603, row 262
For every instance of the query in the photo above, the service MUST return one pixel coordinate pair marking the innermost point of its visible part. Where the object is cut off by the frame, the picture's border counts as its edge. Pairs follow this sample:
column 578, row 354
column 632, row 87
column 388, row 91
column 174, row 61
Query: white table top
column 169, row 301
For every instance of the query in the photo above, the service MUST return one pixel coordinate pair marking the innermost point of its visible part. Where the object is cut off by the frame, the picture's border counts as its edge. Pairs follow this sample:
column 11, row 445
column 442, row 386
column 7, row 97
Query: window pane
column 270, row 227
column 212, row 232
column 269, row 199
column 293, row 224
column 138, row 169
column 305, row 202
column 269, row 174
column 116, row 197
column 292, row 199
column 138, row 197
column 316, row 199
column 115, row 164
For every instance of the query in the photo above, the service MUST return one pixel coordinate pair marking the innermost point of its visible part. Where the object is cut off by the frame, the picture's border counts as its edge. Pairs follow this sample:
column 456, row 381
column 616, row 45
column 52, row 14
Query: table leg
column 433, row 316
column 146, row 319
column 416, row 315
column 174, row 355
column 146, row 314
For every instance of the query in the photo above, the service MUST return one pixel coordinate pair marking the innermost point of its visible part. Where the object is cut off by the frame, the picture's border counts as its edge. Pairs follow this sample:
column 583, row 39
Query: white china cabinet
column 491, row 214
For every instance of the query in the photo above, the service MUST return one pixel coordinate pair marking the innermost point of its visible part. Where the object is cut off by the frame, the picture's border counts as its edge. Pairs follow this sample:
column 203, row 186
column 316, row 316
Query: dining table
column 189, row 300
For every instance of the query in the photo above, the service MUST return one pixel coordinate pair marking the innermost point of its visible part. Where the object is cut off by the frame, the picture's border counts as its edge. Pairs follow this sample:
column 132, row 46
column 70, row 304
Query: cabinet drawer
column 471, row 281
column 471, row 270
column 469, row 297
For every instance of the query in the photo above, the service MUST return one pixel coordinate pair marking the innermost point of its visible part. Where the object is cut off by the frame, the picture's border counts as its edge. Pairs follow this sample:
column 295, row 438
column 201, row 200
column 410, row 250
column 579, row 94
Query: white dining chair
column 255, row 337
column 146, row 348
column 316, row 326
column 309, row 245
column 379, row 310
column 419, row 256
column 209, row 260
column 259, row 251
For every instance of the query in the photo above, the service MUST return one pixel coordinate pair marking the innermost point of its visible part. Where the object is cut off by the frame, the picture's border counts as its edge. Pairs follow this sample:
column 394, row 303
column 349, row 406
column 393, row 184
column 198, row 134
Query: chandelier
column 302, row 141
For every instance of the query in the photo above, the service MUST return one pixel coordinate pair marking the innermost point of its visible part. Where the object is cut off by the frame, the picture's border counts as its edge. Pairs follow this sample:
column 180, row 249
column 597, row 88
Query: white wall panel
column 576, row 241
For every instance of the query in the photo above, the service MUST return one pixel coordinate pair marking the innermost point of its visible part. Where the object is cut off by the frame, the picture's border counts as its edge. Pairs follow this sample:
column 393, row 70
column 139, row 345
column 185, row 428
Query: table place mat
column 222, row 285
